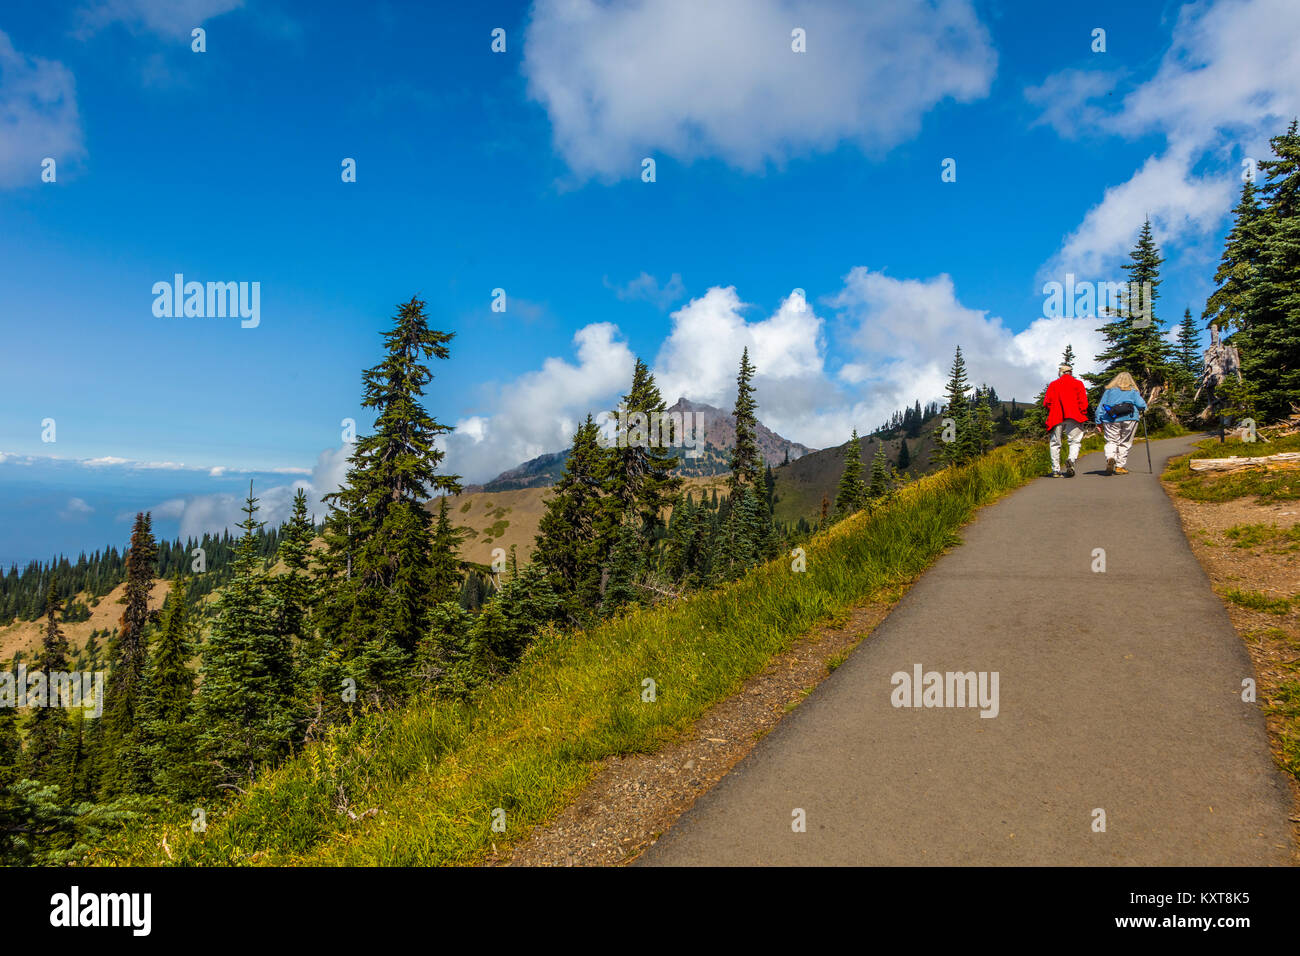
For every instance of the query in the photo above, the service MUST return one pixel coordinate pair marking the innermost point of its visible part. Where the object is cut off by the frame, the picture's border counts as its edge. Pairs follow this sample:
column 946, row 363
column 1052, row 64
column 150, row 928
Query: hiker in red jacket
column 1066, row 402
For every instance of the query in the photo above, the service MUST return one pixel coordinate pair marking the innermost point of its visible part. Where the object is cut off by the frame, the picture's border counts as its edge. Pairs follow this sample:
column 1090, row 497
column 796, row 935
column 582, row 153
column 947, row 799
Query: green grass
column 1263, row 485
column 1167, row 430
column 1257, row 601
column 437, row 769
column 1256, row 535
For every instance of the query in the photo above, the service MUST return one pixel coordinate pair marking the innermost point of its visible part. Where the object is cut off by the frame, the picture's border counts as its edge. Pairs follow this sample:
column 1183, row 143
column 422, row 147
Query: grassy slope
column 26, row 635
column 435, row 771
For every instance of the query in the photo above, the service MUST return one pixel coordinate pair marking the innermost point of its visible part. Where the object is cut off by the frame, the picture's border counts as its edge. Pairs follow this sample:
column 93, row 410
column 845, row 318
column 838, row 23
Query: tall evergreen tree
column 446, row 565
column 962, row 443
column 746, row 462
column 1189, row 346
column 880, row 478
column 904, row 456
column 852, row 493
column 291, row 591
column 640, row 482
column 48, row 725
column 1270, row 352
column 574, row 534
column 379, row 540
column 1135, row 341
column 244, row 700
column 170, row 736
column 1229, row 306
column 121, row 763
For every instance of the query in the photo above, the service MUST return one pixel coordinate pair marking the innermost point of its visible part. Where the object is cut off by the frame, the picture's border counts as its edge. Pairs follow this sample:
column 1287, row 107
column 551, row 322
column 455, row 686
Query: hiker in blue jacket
column 1117, row 414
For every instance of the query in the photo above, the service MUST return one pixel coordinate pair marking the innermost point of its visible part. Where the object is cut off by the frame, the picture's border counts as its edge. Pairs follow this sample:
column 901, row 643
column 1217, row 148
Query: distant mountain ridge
column 713, row 458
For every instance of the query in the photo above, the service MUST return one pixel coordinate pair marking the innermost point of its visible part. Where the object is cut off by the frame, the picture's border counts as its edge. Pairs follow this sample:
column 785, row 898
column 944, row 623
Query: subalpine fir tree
column 121, row 765
column 74, row 760
column 746, row 462
column 1229, row 306
column 982, row 424
column 169, row 734
column 852, row 493
column 1135, row 341
column 244, row 702
column 529, row 603
column 738, row 547
column 1189, row 347
column 1270, row 342
column 623, row 570
column 379, row 561
column 639, row 481
column 904, row 456
column 956, row 439
column 574, row 534
column 446, row 565
column 48, row 725
column 291, row 590
column 682, row 542
column 880, row 483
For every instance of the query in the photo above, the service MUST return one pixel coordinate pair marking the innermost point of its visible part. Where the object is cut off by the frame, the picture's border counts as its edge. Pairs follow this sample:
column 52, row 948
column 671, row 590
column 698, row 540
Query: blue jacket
column 1114, row 396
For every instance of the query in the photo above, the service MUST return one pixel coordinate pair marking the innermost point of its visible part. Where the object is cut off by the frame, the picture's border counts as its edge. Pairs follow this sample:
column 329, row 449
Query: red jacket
column 1066, row 398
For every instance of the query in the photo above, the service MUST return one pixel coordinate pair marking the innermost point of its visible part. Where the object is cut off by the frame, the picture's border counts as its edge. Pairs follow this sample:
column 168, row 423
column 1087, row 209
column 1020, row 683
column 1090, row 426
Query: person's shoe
column 1110, row 466
column 1121, row 471
column 1054, row 474
column 1069, row 469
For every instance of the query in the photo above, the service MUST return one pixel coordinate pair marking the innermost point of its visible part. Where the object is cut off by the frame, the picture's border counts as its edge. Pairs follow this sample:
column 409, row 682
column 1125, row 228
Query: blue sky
column 476, row 170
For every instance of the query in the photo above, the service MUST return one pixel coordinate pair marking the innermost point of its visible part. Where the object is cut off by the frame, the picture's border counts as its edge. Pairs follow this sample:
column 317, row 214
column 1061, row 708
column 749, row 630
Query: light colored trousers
column 1073, row 434
column 1119, row 439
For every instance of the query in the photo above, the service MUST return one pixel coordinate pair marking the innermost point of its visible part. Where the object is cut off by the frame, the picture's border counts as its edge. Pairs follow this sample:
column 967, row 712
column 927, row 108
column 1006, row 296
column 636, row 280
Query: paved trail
column 1118, row 690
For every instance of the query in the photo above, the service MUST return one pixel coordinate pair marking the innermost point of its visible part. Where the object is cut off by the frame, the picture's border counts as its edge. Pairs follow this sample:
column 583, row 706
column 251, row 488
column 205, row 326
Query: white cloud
column 75, row 508
column 906, row 330
column 901, row 334
column 1064, row 100
column 168, row 18
column 647, row 288
column 38, row 116
column 1229, row 80
column 539, row 411
column 701, row 356
column 214, row 513
column 690, row 80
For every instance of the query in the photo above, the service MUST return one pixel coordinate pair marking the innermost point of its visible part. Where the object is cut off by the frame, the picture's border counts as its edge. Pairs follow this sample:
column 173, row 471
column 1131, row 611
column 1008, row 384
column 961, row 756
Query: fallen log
column 1285, row 459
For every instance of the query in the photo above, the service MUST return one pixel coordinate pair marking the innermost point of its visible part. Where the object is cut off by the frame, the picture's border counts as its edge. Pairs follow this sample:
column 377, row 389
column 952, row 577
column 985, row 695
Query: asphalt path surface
column 1119, row 692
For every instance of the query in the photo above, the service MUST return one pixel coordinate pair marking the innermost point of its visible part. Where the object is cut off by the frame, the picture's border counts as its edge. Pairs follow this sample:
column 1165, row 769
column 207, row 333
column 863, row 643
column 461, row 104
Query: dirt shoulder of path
column 633, row 799
column 1270, row 568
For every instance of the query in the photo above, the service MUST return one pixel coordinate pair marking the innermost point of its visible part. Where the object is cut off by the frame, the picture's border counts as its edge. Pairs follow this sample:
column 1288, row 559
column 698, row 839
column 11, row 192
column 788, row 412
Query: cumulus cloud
column 1229, row 80
column 905, row 331
column 38, row 116
column 214, row 513
column 899, row 340
column 646, row 287
column 719, row 79
column 701, row 356
column 168, row 18
column 539, row 411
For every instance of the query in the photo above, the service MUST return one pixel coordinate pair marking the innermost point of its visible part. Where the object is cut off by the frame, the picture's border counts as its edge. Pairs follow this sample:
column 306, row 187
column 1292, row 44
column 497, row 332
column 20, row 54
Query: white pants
column 1073, row 434
column 1119, row 439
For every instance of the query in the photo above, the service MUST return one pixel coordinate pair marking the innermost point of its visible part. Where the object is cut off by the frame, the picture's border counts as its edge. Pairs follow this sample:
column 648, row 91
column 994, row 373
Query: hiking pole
column 1146, row 441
